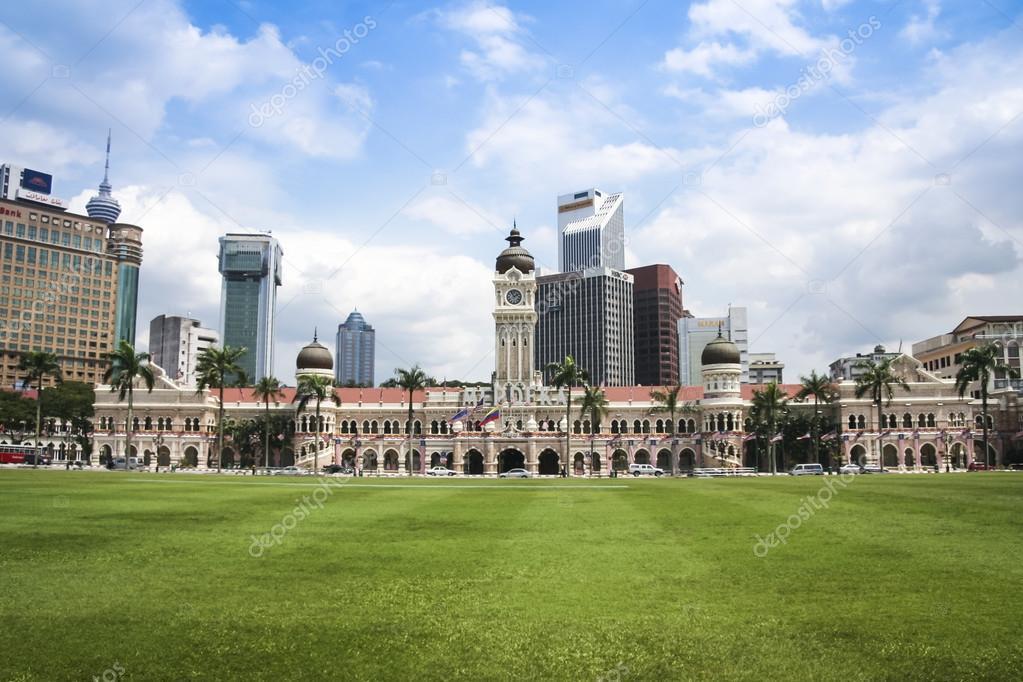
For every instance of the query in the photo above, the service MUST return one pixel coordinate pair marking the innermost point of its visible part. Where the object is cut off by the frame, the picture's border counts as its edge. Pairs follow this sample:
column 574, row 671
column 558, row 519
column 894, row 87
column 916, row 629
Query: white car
column 516, row 473
column 290, row 471
column 645, row 469
column 439, row 471
column 807, row 470
column 851, row 468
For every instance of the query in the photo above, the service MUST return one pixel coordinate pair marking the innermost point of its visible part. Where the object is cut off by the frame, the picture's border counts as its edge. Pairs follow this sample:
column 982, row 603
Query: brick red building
column 657, row 308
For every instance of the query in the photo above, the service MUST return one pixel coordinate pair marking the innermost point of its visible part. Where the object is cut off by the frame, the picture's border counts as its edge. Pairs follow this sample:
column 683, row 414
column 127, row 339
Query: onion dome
column 315, row 356
column 104, row 206
column 515, row 256
column 720, row 351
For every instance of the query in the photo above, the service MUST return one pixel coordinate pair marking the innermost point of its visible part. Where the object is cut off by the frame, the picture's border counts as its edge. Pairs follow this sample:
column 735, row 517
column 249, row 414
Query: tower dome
column 720, row 351
column 315, row 358
column 104, row 206
column 515, row 256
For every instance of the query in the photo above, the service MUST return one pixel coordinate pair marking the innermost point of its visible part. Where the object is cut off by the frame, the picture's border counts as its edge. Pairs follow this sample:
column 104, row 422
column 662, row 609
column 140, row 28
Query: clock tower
column 514, row 318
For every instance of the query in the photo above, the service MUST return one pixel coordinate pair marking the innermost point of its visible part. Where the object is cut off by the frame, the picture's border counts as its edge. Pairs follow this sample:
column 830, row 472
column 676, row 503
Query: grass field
column 136, row 576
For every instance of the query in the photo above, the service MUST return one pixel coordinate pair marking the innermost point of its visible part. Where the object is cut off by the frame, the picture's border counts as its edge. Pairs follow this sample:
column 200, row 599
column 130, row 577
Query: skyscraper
column 175, row 343
column 657, row 308
column 251, row 268
column 69, row 282
column 356, row 351
column 591, row 231
column 104, row 206
column 587, row 315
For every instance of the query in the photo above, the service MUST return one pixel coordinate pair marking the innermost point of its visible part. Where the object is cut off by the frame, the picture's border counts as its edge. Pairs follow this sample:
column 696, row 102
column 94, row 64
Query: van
column 807, row 470
column 134, row 464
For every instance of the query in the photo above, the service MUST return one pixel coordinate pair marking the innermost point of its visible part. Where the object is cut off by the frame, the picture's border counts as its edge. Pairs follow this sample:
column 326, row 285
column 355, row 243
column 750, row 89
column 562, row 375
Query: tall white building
column 694, row 333
column 591, row 231
column 175, row 343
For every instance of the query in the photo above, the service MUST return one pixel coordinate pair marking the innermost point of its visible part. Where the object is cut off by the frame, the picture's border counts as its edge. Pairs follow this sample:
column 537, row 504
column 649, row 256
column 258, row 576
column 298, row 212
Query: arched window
column 730, row 422
column 518, row 424
column 169, row 424
column 614, row 426
column 861, row 422
column 892, row 422
column 852, row 421
column 921, row 421
column 135, row 424
column 149, row 423
column 577, row 427
column 387, row 427
column 930, row 421
column 646, row 426
column 159, row 424
column 637, row 427
column 344, row 426
column 374, row 427
column 692, row 426
column 907, row 421
column 721, row 422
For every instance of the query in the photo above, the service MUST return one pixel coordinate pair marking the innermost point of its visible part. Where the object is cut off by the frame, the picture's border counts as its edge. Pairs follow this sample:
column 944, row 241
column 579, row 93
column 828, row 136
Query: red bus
column 21, row 454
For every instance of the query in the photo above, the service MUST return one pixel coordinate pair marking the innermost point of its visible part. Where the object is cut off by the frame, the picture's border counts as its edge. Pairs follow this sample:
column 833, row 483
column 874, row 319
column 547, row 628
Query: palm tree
column 769, row 404
column 38, row 365
column 411, row 380
column 215, row 368
column 979, row 364
column 126, row 367
column 318, row 388
column 669, row 401
column 267, row 389
column 594, row 403
column 823, row 391
column 879, row 380
column 566, row 375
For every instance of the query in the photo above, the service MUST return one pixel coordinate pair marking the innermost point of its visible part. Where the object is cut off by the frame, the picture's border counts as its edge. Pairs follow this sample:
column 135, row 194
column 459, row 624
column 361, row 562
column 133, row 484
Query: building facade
column 850, row 368
column 657, row 309
column 941, row 354
column 521, row 422
column 250, row 265
column 696, row 332
column 175, row 343
column 591, row 231
column 69, row 282
column 589, row 316
column 764, row 368
column 355, row 346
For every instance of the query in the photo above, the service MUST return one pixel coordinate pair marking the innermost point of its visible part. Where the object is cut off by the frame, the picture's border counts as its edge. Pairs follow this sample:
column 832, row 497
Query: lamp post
column 158, row 443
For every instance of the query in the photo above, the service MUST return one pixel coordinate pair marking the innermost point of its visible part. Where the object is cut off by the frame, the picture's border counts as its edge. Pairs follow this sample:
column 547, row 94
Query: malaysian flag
column 748, row 437
column 805, row 436
column 829, row 437
column 777, row 438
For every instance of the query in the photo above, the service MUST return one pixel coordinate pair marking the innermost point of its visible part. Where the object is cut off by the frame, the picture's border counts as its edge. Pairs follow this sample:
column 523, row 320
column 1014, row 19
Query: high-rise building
column 251, row 268
column 764, row 368
column 104, row 206
column 588, row 315
column 591, row 231
column 696, row 332
column 656, row 309
column 942, row 354
column 63, row 285
column 175, row 343
column 850, row 369
column 356, row 351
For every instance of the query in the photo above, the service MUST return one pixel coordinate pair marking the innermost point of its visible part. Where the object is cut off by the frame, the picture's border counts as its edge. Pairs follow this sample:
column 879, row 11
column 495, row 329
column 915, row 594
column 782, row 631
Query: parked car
column 851, row 468
column 440, row 471
column 37, row 458
column 1016, row 466
column 290, row 471
column 874, row 469
column 974, row 466
column 645, row 470
column 516, row 473
column 807, row 470
column 338, row 469
column 133, row 464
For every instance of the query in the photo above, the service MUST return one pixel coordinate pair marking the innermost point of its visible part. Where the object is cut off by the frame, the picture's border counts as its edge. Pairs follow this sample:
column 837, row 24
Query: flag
column 804, row 437
column 466, row 412
column 492, row 416
column 884, row 433
column 777, row 439
column 666, row 438
column 1019, row 434
column 829, row 437
column 748, row 437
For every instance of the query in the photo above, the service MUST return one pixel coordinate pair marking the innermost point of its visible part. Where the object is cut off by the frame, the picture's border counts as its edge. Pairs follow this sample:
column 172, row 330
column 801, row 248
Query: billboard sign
column 34, row 181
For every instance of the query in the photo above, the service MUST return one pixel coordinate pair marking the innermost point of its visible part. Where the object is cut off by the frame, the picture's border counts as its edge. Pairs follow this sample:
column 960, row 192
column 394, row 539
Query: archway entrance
column 163, row 456
column 858, row 455
column 891, row 457
column 579, row 464
column 549, row 465
column 191, row 458
column 348, row 458
column 369, row 461
column 391, row 460
column 687, row 459
column 510, row 459
column 928, row 456
column 473, row 463
column 958, row 456
column 595, row 464
column 664, row 461
column 642, row 457
column 619, row 460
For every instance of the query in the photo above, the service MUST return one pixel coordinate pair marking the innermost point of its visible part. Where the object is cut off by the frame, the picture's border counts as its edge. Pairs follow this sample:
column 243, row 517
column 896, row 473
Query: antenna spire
column 106, row 170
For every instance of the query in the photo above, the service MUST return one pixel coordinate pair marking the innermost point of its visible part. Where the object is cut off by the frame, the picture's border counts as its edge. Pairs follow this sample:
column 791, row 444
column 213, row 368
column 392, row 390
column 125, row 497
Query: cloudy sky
column 849, row 170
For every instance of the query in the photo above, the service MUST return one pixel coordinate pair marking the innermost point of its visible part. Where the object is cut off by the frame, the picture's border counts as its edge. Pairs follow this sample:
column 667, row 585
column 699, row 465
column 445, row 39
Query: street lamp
column 158, row 443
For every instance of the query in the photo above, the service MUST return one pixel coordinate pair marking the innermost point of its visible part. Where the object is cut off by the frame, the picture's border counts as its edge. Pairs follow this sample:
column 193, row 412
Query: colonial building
column 925, row 427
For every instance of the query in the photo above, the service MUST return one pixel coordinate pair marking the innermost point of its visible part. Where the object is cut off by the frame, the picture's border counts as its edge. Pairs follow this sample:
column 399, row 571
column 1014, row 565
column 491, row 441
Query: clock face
column 514, row 296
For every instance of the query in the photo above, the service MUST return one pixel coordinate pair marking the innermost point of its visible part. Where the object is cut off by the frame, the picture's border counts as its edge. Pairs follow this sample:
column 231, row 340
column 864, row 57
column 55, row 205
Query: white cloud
column 497, row 34
column 453, row 215
column 921, row 28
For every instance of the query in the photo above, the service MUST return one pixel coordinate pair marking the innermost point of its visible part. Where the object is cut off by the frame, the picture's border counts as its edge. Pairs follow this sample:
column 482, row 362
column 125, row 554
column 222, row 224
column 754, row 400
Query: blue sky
column 874, row 202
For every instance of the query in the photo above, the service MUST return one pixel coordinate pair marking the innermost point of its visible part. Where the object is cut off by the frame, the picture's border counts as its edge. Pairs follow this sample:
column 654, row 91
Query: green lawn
column 902, row 577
